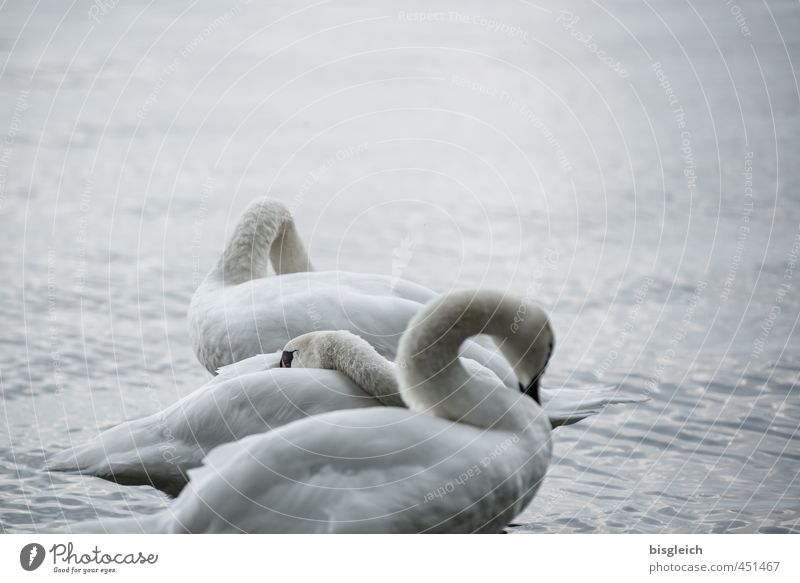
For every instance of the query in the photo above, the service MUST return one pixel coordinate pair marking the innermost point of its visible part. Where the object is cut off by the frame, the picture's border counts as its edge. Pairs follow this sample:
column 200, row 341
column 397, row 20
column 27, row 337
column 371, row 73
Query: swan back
column 380, row 470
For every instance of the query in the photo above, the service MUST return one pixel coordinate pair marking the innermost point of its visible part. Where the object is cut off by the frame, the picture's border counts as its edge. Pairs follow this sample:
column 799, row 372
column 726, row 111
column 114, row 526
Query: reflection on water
column 656, row 216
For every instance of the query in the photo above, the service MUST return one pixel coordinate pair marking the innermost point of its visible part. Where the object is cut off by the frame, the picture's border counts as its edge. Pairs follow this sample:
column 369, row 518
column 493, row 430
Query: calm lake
column 633, row 168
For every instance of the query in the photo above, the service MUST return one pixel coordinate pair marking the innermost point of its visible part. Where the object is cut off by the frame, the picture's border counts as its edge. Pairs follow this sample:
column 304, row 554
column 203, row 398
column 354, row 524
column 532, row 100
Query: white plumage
column 237, row 312
column 467, row 457
column 254, row 396
column 246, row 398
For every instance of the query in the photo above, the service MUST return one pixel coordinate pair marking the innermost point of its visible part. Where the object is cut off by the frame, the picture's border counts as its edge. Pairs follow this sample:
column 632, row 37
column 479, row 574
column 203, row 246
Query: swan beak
column 532, row 390
column 286, row 359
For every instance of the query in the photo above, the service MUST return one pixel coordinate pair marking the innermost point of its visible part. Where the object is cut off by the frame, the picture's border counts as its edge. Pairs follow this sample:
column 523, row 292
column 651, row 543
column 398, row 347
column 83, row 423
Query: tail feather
column 133, row 453
column 566, row 406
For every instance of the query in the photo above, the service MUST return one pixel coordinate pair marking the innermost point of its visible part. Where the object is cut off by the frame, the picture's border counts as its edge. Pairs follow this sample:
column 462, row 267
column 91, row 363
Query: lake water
column 632, row 167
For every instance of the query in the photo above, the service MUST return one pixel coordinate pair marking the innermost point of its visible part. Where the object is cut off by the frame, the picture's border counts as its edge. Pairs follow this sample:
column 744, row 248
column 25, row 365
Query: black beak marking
column 532, row 390
column 286, row 359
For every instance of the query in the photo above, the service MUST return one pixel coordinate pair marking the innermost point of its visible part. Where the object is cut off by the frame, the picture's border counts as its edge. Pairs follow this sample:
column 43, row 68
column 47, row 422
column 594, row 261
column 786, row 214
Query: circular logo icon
column 31, row 556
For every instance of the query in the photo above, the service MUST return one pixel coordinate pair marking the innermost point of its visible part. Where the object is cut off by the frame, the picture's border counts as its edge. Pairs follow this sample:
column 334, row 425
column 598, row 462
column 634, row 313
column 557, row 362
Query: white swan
column 468, row 456
column 252, row 397
column 237, row 312
column 248, row 397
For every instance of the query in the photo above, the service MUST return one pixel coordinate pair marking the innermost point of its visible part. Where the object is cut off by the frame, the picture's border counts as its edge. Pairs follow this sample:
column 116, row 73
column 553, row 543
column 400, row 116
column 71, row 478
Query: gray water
column 653, row 209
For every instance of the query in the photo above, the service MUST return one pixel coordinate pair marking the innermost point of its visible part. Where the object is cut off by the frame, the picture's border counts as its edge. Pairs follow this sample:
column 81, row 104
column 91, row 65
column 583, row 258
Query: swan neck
column 366, row 368
column 265, row 233
column 432, row 376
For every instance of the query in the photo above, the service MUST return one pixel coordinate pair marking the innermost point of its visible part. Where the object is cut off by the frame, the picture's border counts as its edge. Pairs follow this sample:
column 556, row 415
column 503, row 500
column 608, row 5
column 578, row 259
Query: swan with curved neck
column 238, row 312
column 336, row 371
column 266, row 230
column 429, row 365
column 467, row 456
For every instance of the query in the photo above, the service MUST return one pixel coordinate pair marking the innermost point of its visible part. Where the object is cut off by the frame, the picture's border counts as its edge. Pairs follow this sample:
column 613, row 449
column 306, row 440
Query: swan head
column 348, row 354
column 318, row 349
column 530, row 351
column 306, row 351
column 532, row 387
column 521, row 330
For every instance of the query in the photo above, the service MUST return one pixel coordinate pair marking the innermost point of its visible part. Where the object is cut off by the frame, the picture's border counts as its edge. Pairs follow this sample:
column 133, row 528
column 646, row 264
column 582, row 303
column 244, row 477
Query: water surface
column 647, row 197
